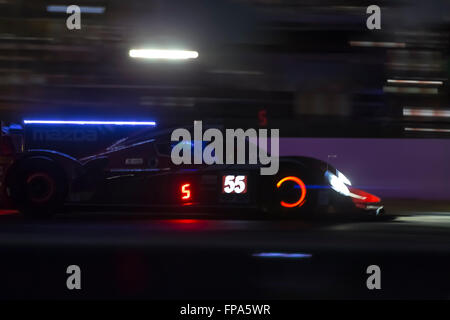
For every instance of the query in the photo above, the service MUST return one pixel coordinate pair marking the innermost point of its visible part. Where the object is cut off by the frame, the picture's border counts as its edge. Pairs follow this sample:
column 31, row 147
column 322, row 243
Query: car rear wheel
column 38, row 187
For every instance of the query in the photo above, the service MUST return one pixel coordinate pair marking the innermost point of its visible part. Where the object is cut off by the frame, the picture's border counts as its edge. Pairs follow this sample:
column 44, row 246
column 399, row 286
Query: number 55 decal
column 234, row 184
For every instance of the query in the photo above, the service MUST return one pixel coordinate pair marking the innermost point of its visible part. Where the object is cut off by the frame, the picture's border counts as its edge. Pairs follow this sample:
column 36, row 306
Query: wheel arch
column 70, row 167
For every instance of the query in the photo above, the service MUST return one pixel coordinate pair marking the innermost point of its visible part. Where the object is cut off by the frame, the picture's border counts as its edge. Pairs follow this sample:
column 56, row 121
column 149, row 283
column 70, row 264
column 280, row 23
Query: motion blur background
column 375, row 103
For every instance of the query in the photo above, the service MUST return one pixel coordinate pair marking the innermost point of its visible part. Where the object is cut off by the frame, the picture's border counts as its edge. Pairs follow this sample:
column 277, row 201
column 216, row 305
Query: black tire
column 38, row 187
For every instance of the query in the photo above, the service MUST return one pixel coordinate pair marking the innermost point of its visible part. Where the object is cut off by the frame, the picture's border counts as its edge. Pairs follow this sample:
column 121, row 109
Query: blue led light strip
column 83, row 122
column 282, row 255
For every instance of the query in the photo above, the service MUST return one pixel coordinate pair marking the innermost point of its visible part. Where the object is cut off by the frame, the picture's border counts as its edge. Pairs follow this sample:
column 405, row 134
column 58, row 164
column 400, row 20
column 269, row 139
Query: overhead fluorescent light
column 87, row 122
column 163, row 54
column 414, row 81
column 83, row 9
column 436, row 113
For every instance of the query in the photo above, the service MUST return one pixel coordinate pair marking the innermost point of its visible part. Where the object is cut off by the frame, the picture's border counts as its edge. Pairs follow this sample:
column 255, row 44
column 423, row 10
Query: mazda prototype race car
column 137, row 172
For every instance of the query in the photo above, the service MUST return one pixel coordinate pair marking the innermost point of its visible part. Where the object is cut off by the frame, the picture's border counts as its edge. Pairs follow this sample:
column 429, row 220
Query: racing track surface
column 124, row 255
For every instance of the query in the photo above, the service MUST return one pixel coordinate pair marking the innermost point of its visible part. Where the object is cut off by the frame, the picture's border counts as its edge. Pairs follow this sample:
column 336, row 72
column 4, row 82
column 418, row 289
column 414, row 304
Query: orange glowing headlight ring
column 302, row 186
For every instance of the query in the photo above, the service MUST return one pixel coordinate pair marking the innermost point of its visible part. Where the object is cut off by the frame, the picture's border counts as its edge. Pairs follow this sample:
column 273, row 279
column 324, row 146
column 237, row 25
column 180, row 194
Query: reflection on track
column 417, row 231
column 125, row 256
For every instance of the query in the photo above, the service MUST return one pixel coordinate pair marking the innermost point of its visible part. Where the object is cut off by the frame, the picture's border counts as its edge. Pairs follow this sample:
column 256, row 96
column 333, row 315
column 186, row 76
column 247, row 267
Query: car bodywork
column 137, row 171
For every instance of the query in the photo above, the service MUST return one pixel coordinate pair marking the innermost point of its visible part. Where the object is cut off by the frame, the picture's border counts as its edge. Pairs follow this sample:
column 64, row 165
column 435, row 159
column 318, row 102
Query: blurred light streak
column 282, row 255
column 5, row 212
column 238, row 72
column 163, row 54
column 184, row 221
column 83, row 122
column 407, row 111
column 377, row 44
column 185, row 224
column 426, row 129
column 415, row 81
column 83, row 9
column 15, row 37
column 313, row 186
column 440, row 217
column 415, row 90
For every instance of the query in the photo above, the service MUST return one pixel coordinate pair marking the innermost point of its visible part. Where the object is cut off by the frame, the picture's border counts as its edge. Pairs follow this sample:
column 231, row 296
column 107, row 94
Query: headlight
column 344, row 179
column 337, row 183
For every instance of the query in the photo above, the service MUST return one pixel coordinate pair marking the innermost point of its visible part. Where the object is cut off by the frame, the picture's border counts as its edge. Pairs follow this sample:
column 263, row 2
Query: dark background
column 311, row 69
column 302, row 66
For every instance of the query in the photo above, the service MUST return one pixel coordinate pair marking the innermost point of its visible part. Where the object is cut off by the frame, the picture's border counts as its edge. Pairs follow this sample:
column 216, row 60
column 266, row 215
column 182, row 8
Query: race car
column 136, row 171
